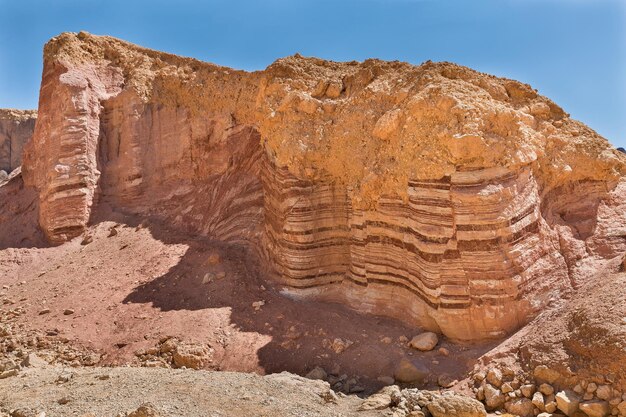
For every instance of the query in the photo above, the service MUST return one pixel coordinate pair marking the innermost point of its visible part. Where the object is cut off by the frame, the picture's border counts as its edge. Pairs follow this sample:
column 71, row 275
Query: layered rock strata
column 453, row 199
column 16, row 128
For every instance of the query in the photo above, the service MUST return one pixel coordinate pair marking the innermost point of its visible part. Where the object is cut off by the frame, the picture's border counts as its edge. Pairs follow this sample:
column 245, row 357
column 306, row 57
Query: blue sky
column 573, row 51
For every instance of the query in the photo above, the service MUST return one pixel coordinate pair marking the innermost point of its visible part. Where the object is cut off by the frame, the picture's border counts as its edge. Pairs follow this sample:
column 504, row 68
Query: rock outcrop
column 16, row 128
column 452, row 199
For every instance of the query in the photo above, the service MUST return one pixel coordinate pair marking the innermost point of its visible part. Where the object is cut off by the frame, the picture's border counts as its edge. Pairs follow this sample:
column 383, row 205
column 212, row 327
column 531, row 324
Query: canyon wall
column 452, row 199
column 16, row 128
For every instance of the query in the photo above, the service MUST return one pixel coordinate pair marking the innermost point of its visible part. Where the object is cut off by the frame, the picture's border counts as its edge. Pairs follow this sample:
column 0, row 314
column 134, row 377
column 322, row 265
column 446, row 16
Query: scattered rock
column 522, row 407
column 258, row 304
column 453, row 405
column 63, row 400
column 546, row 389
column 446, row 381
column 193, row 356
column 494, row 377
column 539, row 401
column 387, row 380
column 317, row 373
column 145, row 410
column 8, row 374
column 337, row 345
column 604, row 392
column 545, row 374
column 44, row 311
column 494, row 399
column 34, row 361
column 68, row 311
column 425, row 341
column 567, row 401
column 381, row 400
column 595, row 408
column 409, row 372
column 527, row 390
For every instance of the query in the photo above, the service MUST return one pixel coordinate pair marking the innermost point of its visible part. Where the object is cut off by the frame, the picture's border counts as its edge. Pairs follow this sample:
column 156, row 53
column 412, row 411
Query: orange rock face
column 452, row 199
column 16, row 128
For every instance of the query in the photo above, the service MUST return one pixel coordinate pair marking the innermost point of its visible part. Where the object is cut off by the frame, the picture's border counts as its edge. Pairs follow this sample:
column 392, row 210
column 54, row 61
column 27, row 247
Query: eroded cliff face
column 16, row 128
column 452, row 199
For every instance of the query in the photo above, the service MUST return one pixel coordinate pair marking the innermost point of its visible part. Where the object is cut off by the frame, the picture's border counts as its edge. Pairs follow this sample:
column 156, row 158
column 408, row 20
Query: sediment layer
column 452, row 199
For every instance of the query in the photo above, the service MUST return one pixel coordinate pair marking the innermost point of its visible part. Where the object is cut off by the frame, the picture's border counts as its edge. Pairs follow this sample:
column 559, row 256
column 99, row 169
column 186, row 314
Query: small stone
column 567, row 401
column 8, row 374
column 494, row 399
column 425, row 341
column 214, row 259
column 494, row 377
column 595, row 408
column 527, row 390
column 68, row 311
column 538, row 401
column 87, row 240
column 44, row 311
column 145, row 410
column 408, row 372
column 386, row 380
column 506, row 388
column 551, row 407
column 317, row 373
column 386, row 340
column 258, row 304
column 604, row 392
column 522, row 407
column 65, row 377
column 545, row 374
column 379, row 401
column 446, row 381
column 480, row 394
column 622, row 408
column 33, row 360
column 63, row 400
column 592, row 387
column 546, row 389
column 443, row 351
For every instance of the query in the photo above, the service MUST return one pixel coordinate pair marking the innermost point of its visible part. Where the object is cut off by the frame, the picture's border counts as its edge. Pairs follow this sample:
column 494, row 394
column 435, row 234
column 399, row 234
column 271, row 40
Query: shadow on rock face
column 302, row 334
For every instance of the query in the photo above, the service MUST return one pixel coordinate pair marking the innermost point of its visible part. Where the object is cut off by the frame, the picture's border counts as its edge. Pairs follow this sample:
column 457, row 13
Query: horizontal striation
column 469, row 243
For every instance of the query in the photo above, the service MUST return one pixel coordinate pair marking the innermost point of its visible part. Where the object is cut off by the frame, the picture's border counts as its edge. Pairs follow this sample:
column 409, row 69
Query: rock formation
column 452, row 199
column 16, row 128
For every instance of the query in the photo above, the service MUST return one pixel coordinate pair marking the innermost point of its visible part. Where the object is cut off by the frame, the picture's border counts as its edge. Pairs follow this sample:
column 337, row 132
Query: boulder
column 453, row 405
column 595, row 408
column 522, row 407
column 544, row 374
column 425, row 341
column 317, row 373
column 494, row 399
column 409, row 372
column 567, row 401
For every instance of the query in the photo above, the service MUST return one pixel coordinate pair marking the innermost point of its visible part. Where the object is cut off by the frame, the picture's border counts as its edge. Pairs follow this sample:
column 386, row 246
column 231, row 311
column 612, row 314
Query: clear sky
column 573, row 51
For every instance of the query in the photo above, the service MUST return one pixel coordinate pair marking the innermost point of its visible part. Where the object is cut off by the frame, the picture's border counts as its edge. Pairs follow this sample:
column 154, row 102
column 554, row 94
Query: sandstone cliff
column 16, row 128
column 452, row 199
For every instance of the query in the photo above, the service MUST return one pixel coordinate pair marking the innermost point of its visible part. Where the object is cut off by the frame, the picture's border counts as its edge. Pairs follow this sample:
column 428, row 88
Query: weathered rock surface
column 16, row 128
column 452, row 199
